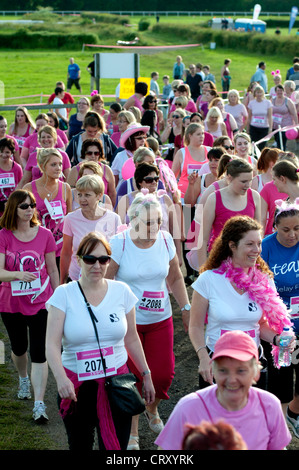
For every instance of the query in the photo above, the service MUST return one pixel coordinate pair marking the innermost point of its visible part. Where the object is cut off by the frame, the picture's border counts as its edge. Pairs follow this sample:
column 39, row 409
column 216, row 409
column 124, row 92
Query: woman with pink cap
column 254, row 413
column 132, row 138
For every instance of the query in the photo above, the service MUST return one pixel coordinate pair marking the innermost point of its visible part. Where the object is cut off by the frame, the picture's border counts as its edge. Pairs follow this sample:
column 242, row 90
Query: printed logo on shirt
column 252, row 307
column 113, row 318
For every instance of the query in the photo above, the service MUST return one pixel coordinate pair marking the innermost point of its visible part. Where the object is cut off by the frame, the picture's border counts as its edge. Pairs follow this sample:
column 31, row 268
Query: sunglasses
column 151, row 179
column 89, row 153
column 175, row 116
column 142, row 137
column 90, row 259
column 178, row 104
column 25, row 206
column 228, row 147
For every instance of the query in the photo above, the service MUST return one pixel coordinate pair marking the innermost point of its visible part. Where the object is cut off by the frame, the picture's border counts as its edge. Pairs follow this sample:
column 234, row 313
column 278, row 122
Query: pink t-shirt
column 15, row 141
column 32, row 144
column 77, row 226
column 191, row 107
column 239, row 112
column 62, row 135
column 5, row 186
column 55, row 225
column 259, row 112
column 270, row 194
column 31, row 165
column 261, row 422
column 26, row 256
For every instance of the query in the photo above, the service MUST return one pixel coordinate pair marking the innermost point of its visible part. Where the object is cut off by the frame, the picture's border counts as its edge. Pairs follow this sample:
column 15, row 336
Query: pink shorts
column 157, row 343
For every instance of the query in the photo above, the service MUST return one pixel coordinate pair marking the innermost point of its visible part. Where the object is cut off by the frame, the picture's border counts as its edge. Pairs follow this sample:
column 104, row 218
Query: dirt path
column 185, row 381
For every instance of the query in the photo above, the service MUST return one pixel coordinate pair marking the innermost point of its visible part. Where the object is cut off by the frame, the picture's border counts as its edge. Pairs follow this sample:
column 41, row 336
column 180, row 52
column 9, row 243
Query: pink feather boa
column 257, row 286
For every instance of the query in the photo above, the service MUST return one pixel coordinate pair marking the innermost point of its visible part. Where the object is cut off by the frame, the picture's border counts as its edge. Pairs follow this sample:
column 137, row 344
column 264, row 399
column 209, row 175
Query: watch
column 186, row 307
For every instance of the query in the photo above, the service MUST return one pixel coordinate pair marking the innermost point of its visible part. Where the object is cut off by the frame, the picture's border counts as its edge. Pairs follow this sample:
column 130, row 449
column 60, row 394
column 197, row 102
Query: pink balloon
column 128, row 169
column 291, row 134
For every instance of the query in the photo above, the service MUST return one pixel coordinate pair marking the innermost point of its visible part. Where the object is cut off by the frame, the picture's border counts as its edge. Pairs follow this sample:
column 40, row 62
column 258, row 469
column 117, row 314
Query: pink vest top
column 56, row 226
column 222, row 214
column 189, row 166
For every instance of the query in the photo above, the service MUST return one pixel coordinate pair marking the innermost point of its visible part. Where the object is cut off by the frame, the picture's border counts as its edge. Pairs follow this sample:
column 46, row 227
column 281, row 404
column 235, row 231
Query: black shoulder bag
column 121, row 389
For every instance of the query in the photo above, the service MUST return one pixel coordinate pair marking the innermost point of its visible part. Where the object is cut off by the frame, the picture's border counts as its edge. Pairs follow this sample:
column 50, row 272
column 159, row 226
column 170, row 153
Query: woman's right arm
column 65, row 257
column 207, row 224
column 199, row 308
column 8, row 276
column 55, row 326
column 264, row 213
column 112, row 270
column 176, row 166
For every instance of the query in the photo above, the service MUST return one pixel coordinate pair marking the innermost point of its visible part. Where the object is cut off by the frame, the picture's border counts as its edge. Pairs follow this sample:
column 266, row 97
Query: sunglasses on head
column 151, row 179
column 25, row 206
column 89, row 153
column 90, row 259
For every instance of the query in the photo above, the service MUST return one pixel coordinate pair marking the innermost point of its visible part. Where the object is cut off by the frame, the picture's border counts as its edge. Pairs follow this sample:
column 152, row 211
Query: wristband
column 198, row 349
column 146, row 372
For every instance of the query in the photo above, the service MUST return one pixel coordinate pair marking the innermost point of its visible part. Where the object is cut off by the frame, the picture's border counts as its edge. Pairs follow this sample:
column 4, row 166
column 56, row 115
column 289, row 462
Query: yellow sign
column 127, row 88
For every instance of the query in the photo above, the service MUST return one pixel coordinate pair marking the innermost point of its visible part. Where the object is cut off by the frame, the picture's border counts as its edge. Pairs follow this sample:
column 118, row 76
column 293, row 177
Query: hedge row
column 250, row 42
column 23, row 39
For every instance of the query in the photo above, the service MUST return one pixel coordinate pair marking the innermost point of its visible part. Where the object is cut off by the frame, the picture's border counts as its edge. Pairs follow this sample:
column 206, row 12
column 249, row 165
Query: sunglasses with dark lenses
column 151, row 179
column 25, row 206
column 89, row 153
column 228, row 147
column 175, row 116
column 90, row 259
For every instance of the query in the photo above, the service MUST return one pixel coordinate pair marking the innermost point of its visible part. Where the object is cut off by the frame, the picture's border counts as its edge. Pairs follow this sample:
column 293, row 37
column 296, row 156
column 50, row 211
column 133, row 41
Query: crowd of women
column 108, row 215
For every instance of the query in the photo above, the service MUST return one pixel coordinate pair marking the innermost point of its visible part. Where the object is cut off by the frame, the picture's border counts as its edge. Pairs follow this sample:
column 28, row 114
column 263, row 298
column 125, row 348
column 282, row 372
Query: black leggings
column 81, row 424
column 258, row 133
column 18, row 326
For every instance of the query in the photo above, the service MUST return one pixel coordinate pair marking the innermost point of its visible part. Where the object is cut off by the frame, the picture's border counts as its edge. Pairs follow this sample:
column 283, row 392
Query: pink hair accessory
column 144, row 191
column 94, row 92
column 277, row 72
column 122, row 228
column 161, row 192
column 284, row 206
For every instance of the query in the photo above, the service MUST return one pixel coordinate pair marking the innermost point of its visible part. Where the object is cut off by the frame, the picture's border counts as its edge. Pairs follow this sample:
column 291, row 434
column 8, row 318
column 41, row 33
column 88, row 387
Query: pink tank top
column 222, row 214
column 138, row 104
column 228, row 127
column 21, row 138
column 189, row 165
column 56, row 226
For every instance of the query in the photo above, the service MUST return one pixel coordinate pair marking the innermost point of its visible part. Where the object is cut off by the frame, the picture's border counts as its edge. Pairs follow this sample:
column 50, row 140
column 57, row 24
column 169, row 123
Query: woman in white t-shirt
column 144, row 257
column 90, row 217
column 84, row 404
column 234, row 291
column 259, row 122
column 236, row 109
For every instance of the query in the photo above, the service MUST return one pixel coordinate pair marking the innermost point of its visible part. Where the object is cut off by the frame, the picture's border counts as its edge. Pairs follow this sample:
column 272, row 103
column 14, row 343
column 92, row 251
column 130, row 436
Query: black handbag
column 121, row 389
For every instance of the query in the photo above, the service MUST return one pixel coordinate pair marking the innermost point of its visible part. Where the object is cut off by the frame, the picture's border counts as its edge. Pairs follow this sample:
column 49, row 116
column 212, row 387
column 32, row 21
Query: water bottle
column 110, row 128
column 284, row 357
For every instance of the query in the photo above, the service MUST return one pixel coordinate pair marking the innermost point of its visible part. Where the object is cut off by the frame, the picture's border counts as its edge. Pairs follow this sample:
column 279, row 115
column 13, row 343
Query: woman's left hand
column 149, row 390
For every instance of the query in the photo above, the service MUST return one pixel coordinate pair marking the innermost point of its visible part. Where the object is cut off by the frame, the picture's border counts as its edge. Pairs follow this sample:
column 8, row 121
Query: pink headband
column 284, row 206
column 94, row 92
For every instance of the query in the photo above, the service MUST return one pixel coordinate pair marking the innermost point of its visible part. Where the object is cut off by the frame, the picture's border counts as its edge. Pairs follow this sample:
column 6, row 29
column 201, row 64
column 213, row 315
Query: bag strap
column 94, row 321
column 206, row 408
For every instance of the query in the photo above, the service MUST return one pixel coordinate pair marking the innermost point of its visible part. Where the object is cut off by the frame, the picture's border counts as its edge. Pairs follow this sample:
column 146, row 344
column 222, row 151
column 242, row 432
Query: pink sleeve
column 50, row 244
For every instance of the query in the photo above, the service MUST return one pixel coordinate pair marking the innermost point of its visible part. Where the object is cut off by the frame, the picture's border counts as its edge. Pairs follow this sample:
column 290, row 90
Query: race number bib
column 26, row 287
column 294, row 306
column 153, row 302
column 54, row 209
column 277, row 118
column 7, row 180
column 193, row 168
column 90, row 365
column 259, row 120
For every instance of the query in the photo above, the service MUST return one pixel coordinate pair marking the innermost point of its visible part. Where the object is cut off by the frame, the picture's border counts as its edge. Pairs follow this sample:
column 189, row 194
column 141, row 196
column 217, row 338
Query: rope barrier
column 141, row 47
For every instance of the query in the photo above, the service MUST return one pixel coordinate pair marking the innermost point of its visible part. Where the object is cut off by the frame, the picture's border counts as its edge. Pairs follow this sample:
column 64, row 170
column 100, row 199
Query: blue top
column 284, row 263
column 260, row 77
column 73, row 70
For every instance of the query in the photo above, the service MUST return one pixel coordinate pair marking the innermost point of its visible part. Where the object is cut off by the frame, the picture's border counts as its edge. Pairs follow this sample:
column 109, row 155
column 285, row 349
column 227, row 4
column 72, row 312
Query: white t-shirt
column 259, row 111
column 145, row 272
column 117, row 165
column 62, row 111
column 79, row 334
column 227, row 310
column 77, row 226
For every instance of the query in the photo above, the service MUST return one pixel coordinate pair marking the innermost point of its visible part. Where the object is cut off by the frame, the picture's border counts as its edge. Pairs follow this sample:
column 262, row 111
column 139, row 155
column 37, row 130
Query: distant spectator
column 208, row 75
column 166, row 88
column 73, row 75
column 295, row 76
column 67, row 99
column 291, row 70
column 260, row 76
column 178, row 68
column 154, row 87
column 61, row 112
column 91, row 70
column 194, row 80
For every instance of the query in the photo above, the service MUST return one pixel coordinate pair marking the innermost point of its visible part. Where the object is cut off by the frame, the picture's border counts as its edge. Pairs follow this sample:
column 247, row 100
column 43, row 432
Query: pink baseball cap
column 237, row 345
